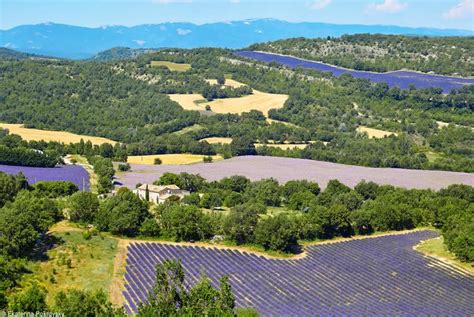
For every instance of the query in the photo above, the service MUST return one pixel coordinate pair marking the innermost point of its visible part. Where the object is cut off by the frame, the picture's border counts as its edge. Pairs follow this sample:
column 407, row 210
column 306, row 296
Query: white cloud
column 463, row 9
column 388, row 6
column 319, row 4
column 183, row 31
column 139, row 42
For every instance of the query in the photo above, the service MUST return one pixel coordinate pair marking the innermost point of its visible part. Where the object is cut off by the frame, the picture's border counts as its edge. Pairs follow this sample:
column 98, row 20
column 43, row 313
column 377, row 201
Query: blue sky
column 414, row 13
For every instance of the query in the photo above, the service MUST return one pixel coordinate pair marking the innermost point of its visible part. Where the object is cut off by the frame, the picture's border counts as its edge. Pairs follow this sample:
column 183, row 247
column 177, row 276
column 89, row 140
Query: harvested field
column 217, row 140
column 258, row 100
column 228, row 82
column 169, row 159
column 283, row 146
column 49, row 135
column 375, row 133
column 285, row 169
column 175, row 67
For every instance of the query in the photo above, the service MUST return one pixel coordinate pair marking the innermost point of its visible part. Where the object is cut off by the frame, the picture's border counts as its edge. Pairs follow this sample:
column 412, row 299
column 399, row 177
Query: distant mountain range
column 77, row 42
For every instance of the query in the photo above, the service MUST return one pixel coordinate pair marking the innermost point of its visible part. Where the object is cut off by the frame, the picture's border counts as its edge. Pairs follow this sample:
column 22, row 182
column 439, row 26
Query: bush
column 183, row 223
column 276, row 233
column 30, row 299
column 124, row 167
column 157, row 161
column 83, row 207
column 301, row 201
column 150, row 228
column 56, row 189
column 122, row 214
column 87, row 235
column 78, row 303
column 192, row 199
column 240, row 224
column 458, row 233
column 207, row 159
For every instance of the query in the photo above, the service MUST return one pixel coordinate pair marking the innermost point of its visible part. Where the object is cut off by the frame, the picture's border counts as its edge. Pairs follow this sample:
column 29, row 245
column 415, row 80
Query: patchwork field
column 256, row 101
column 285, row 169
column 375, row 133
column 362, row 277
column 169, row 159
column 175, row 67
column 48, row 135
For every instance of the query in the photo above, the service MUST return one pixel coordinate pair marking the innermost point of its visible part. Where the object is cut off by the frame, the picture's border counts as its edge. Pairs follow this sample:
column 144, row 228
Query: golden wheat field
column 375, row 133
column 283, row 146
column 217, row 140
column 49, row 135
column 261, row 101
column 175, row 67
column 169, row 159
column 228, row 82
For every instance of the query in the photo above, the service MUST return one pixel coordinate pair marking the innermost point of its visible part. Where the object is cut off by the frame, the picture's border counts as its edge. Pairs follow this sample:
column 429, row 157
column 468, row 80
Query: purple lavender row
column 402, row 79
column 74, row 173
column 381, row 275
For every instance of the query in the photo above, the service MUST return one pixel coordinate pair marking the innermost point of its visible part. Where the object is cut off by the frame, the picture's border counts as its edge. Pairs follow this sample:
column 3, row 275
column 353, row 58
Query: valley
column 296, row 177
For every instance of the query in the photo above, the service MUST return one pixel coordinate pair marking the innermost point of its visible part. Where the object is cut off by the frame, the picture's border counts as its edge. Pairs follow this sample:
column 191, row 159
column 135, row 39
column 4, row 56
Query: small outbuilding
column 159, row 194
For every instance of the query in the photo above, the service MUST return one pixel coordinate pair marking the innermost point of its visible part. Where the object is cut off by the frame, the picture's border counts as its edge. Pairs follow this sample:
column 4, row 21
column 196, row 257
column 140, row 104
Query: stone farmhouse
column 159, row 194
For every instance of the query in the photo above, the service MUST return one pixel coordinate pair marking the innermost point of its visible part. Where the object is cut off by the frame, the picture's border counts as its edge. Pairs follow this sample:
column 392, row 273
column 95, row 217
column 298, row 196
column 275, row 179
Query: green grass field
column 174, row 67
column 75, row 262
column 436, row 248
column 193, row 128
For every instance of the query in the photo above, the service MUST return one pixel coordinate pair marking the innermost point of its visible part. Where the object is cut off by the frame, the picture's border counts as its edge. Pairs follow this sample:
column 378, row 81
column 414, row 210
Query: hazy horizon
column 445, row 14
column 231, row 21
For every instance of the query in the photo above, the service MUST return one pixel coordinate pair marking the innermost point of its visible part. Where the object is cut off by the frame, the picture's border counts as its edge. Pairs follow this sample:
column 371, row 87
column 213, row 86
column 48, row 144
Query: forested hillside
column 382, row 53
column 127, row 102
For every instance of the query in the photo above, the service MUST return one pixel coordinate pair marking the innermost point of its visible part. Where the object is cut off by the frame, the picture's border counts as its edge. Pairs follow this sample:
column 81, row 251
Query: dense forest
column 382, row 53
column 127, row 102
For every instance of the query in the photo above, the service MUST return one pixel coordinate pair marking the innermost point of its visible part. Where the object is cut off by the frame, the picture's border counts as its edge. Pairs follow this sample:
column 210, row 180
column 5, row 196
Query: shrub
column 56, row 189
column 150, row 228
column 240, row 224
column 122, row 214
column 30, row 299
column 183, row 223
column 276, row 233
column 207, row 159
column 83, row 207
column 124, row 167
column 157, row 161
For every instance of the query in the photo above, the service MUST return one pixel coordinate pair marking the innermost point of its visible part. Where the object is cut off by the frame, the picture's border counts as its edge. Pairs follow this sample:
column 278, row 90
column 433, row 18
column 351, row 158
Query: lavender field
column 402, row 79
column 366, row 277
column 74, row 173
column 285, row 169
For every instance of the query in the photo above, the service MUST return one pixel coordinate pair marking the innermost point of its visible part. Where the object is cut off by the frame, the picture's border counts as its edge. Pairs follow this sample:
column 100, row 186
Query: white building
column 159, row 194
